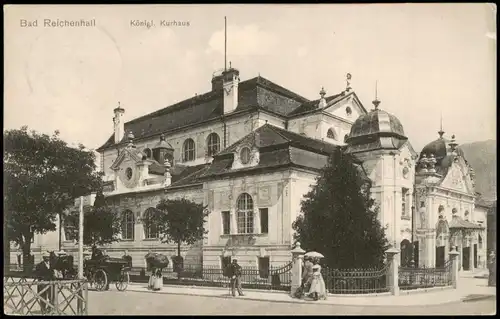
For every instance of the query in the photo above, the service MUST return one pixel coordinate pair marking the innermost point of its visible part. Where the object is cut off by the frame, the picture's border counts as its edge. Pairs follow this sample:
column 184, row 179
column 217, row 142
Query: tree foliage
column 178, row 221
column 43, row 176
column 339, row 219
column 101, row 225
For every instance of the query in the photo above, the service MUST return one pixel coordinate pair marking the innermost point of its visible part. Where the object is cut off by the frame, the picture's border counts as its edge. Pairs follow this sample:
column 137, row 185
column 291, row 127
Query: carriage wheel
column 100, row 280
column 123, row 281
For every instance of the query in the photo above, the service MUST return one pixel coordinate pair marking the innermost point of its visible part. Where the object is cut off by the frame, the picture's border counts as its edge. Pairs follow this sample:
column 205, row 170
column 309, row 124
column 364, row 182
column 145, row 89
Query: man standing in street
column 235, row 273
column 44, row 273
column 307, row 274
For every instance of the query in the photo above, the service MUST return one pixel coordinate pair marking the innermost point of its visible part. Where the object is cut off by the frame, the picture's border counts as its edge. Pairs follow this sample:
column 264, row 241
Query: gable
column 349, row 108
column 455, row 179
column 126, row 155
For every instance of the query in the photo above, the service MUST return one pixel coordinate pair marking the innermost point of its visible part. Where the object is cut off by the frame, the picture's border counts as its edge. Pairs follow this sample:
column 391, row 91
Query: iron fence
column 274, row 278
column 356, row 281
column 425, row 277
column 24, row 295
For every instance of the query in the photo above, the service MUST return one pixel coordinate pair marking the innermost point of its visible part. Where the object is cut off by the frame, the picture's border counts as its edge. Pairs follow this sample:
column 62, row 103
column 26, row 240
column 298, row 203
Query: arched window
column 150, row 228
column 213, row 144
column 245, row 214
column 331, row 134
column 148, row 153
column 128, row 223
column 189, row 150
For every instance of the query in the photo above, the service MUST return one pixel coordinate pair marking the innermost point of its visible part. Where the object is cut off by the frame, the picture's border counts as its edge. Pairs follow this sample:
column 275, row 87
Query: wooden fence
column 27, row 296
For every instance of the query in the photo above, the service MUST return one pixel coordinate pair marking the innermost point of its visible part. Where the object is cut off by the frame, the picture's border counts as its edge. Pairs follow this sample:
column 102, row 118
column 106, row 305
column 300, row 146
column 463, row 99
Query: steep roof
column 312, row 106
column 271, row 136
column 255, row 93
column 277, row 148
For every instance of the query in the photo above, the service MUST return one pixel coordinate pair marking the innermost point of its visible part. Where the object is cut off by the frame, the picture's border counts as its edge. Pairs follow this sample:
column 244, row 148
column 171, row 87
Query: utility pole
column 80, row 240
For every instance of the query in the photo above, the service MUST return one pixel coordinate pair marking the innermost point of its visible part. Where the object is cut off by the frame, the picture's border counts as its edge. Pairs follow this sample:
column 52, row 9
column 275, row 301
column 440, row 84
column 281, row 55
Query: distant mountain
column 482, row 156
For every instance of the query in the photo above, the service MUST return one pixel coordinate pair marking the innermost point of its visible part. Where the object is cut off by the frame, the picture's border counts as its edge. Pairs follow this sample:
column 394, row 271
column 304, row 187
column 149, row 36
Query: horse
column 63, row 263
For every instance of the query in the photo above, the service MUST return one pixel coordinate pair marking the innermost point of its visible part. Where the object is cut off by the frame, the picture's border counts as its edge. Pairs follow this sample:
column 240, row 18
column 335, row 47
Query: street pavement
column 473, row 297
column 138, row 303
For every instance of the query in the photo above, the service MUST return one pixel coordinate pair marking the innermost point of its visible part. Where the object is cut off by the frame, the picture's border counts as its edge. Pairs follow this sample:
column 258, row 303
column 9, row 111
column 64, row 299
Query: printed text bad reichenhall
column 57, row 23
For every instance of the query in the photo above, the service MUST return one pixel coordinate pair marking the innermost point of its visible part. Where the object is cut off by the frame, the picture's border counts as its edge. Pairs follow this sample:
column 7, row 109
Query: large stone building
column 250, row 150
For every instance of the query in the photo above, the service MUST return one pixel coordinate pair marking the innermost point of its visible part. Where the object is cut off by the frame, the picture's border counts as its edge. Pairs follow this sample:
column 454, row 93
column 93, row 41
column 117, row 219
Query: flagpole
column 80, row 240
column 225, row 43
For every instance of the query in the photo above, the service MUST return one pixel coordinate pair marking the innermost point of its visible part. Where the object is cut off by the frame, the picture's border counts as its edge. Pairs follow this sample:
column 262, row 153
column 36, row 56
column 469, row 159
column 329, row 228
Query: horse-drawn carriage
column 101, row 272
column 62, row 264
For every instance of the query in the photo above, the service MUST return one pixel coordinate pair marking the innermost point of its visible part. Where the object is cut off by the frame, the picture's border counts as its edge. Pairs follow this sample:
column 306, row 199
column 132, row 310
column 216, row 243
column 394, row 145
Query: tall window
column 480, row 242
column 245, row 214
column 189, row 151
column 403, row 202
column 213, row 144
column 226, row 223
column 331, row 134
column 128, row 223
column 150, row 229
column 264, row 220
column 147, row 152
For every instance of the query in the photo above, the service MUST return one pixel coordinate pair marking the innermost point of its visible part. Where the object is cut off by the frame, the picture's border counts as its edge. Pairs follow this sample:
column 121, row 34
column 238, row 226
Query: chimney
column 231, row 78
column 119, row 124
column 217, row 82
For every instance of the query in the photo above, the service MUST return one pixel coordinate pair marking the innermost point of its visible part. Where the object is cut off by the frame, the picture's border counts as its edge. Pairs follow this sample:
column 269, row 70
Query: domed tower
column 378, row 140
column 445, row 197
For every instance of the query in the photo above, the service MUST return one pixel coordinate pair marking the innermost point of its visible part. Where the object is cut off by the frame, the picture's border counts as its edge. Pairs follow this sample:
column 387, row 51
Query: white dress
column 317, row 283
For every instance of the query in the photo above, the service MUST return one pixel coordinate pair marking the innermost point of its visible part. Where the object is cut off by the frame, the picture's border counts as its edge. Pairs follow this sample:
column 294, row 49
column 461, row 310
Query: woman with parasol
column 317, row 288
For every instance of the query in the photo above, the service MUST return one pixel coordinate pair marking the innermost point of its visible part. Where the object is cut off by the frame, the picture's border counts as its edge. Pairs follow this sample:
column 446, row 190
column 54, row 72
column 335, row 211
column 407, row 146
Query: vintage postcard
column 280, row 159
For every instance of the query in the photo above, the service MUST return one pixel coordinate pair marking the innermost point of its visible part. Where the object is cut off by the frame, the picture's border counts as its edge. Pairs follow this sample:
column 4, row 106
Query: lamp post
column 412, row 252
column 80, row 240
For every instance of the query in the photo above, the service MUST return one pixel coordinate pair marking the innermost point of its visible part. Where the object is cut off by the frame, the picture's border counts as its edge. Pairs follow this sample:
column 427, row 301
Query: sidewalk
column 467, row 287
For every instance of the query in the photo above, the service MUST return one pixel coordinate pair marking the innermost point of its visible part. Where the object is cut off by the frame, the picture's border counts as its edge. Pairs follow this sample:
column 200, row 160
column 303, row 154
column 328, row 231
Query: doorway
column 415, row 253
column 440, row 256
column 466, row 258
column 475, row 255
column 405, row 253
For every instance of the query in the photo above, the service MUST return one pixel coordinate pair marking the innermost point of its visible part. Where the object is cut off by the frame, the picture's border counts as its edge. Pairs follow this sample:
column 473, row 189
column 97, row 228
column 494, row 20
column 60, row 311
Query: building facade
column 250, row 150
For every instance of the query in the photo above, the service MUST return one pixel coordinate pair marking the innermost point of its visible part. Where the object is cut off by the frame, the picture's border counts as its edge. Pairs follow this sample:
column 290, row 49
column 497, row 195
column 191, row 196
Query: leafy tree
column 43, row 176
column 101, row 225
column 178, row 221
column 339, row 219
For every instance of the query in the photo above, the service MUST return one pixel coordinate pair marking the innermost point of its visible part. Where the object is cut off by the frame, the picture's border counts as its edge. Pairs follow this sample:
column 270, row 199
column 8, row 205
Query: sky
column 430, row 61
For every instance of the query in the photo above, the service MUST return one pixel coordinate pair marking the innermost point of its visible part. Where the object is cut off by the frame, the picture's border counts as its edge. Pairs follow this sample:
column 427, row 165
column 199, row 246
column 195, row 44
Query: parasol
column 314, row 254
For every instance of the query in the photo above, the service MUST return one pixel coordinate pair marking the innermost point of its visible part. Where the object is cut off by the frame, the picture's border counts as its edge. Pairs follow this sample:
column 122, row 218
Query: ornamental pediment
column 348, row 108
column 456, row 180
column 126, row 155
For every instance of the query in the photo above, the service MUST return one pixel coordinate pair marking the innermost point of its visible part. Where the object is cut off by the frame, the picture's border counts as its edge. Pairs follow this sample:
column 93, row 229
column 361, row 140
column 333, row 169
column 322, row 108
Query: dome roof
column 440, row 148
column 162, row 144
column 376, row 122
column 375, row 130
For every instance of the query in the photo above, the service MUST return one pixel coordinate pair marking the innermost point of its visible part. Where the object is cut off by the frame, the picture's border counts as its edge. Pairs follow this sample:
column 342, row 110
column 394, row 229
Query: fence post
column 454, row 267
column 297, row 257
column 393, row 275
